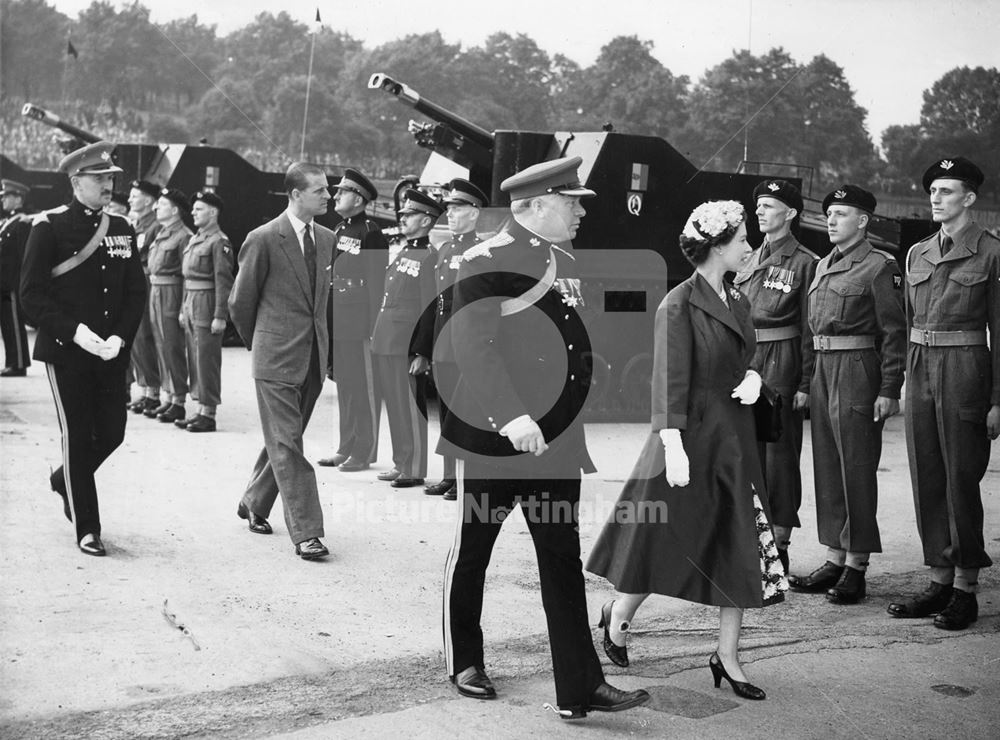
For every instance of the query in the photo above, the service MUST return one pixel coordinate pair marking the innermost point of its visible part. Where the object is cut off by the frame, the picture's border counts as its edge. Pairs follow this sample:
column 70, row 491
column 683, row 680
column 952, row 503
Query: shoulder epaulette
column 807, row 251
column 991, row 235
column 483, row 248
column 43, row 216
column 885, row 254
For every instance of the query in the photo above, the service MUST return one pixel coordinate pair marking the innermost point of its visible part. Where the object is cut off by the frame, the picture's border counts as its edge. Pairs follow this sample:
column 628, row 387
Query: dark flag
column 317, row 16
column 71, row 50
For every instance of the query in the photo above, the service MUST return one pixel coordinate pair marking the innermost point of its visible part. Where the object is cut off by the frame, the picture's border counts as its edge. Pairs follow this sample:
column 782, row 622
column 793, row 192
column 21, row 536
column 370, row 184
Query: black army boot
column 932, row 600
column 962, row 610
column 850, row 589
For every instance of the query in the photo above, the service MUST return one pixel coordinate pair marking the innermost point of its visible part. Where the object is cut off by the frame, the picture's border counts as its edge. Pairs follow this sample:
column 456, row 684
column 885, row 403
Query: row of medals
column 779, row 279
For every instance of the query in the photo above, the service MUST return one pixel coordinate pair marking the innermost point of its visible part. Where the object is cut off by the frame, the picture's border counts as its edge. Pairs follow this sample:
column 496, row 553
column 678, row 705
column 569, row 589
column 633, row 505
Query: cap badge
column 773, row 186
column 947, row 164
column 840, row 194
column 534, row 242
column 106, row 156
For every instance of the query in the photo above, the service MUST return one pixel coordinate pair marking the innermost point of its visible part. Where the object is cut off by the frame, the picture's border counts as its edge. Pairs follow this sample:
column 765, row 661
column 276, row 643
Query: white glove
column 748, row 391
column 87, row 340
column 112, row 346
column 525, row 435
column 678, row 468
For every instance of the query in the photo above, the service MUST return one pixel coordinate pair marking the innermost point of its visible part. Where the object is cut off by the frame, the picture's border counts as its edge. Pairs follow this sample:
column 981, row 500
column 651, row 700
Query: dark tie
column 309, row 251
column 946, row 245
column 765, row 252
column 834, row 257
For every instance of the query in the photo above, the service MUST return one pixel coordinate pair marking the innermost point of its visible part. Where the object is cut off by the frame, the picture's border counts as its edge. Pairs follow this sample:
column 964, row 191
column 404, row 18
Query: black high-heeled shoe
column 741, row 688
column 617, row 654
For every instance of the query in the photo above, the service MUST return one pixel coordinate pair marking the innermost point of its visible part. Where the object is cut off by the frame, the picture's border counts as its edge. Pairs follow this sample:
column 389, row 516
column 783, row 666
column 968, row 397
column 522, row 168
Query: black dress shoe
column 354, row 465
column 311, row 549
column 201, row 423
column 13, row 372
column 932, row 600
column 91, row 544
column 618, row 654
column 388, row 475
column 145, row 404
column 821, row 579
column 174, row 413
column 332, row 462
column 439, row 488
column 741, row 688
column 183, row 423
column 257, row 524
column 451, row 494
column 850, row 589
column 155, row 411
column 402, row 482
column 962, row 610
column 59, row 486
column 606, row 698
column 474, row 682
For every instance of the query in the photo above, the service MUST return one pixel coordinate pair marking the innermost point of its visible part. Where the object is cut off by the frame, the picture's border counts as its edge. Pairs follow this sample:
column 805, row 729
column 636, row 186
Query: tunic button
column 104, row 267
column 105, row 290
column 572, row 377
column 570, row 346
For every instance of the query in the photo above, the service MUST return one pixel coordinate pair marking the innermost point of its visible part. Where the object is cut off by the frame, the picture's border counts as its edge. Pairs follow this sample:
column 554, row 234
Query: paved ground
column 351, row 647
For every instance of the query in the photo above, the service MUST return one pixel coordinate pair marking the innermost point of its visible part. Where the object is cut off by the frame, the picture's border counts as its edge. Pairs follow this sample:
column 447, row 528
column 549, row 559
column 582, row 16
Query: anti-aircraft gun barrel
column 51, row 119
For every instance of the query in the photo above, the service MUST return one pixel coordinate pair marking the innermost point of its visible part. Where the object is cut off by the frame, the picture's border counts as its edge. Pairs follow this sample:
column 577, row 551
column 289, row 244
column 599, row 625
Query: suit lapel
column 706, row 299
column 288, row 242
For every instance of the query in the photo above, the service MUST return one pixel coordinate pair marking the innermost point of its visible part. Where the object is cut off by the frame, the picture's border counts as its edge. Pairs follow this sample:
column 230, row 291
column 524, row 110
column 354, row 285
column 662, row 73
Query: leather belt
column 778, row 333
column 343, row 283
column 928, row 338
column 840, row 343
column 164, row 279
column 199, row 284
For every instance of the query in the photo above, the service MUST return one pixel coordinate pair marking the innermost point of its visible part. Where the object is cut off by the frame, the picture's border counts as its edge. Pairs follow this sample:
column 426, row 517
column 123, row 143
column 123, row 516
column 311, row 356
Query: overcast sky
column 890, row 50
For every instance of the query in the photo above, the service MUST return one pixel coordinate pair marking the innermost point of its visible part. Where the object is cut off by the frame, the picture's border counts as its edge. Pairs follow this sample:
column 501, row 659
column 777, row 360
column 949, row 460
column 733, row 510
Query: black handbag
column 767, row 414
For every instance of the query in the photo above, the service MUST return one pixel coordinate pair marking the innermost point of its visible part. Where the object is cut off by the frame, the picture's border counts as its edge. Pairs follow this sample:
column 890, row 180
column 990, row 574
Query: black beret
column 357, row 183
column 153, row 191
column 208, row 198
column 851, row 195
column 954, row 168
column 416, row 202
column 177, row 198
column 463, row 192
column 779, row 190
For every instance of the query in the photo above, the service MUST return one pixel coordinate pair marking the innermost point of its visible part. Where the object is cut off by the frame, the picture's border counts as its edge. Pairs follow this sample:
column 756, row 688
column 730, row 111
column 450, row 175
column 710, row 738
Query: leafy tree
column 191, row 54
column 32, row 49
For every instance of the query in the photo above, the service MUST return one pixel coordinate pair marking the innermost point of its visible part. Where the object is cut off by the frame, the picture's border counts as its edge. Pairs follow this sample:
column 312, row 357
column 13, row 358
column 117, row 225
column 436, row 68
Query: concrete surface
column 350, row 647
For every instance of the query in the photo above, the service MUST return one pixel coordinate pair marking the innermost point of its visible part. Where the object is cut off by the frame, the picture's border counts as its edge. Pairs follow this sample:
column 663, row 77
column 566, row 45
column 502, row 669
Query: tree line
column 246, row 91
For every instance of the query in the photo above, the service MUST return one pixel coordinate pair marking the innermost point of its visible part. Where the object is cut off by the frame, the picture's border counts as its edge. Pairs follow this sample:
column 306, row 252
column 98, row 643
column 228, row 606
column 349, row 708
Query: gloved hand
column 112, row 346
column 748, row 391
column 678, row 469
column 87, row 340
column 525, row 435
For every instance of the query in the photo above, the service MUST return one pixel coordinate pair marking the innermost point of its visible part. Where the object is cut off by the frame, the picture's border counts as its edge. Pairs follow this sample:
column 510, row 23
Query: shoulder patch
column 483, row 248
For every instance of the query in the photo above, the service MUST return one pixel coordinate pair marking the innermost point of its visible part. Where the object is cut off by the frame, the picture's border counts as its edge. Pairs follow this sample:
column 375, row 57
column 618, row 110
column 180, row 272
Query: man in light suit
column 278, row 305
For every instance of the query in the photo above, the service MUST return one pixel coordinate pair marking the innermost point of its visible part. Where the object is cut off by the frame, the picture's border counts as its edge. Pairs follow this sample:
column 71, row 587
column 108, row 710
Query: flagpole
column 305, row 114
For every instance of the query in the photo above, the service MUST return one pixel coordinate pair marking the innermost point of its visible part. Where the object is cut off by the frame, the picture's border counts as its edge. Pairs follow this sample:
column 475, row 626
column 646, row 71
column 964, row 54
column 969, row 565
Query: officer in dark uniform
column 516, row 430
column 952, row 391
column 15, row 225
column 145, row 362
column 82, row 285
column 777, row 283
column 859, row 335
column 463, row 202
column 166, row 293
column 403, row 340
column 207, row 267
column 359, row 258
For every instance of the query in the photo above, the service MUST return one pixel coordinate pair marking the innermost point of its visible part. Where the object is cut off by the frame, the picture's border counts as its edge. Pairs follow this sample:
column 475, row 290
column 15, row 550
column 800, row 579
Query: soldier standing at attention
column 463, row 202
column 165, row 295
column 953, row 391
column 403, row 340
column 15, row 226
column 208, row 279
column 145, row 362
column 82, row 285
column 859, row 335
column 777, row 283
column 357, row 274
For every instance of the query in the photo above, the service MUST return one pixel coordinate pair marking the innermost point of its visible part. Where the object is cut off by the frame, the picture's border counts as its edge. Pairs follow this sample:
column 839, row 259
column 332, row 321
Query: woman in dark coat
column 692, row 520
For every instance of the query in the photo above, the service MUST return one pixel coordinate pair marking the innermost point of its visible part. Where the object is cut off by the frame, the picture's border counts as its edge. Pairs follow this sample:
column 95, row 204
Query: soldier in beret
column 15, row 225
column 859, row 337
column 166, row 294
column 777, row 282
column 356, row 279
column 145, row 362
column 952, row 391
column 463, row 202
column 516, row 430
column 207, row 267
column 403, row 339
column 82, row 285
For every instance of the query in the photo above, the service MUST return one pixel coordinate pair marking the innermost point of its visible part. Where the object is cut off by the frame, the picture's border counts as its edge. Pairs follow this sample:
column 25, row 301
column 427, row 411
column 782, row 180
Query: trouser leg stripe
column 61, row 413
column 449, row 568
